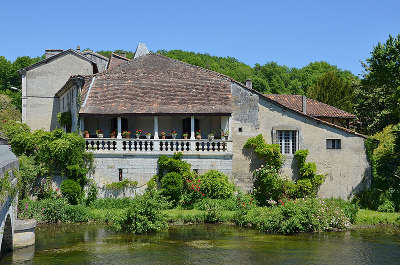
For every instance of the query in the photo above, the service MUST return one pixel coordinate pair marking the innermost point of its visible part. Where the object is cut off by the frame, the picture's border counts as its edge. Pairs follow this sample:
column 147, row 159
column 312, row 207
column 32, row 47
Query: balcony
column 157, row 146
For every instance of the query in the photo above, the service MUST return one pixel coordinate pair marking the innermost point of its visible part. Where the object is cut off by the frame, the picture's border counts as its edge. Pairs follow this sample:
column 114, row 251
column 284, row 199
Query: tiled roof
column 155, row 84
column 314, row 108
column 116, row 59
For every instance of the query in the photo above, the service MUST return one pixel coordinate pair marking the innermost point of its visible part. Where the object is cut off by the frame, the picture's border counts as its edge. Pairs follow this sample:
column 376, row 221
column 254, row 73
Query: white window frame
column 290, row 138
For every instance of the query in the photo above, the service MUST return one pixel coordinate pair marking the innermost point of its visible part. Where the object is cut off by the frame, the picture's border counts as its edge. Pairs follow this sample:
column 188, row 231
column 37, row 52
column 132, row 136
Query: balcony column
column 156, row 145
column 119, row 126
column 192, row 137
column 155, row 127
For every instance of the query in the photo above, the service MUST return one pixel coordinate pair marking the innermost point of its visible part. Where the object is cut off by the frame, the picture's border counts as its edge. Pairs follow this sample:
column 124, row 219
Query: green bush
column 28, row 173
column 172, row 164
column 229, row 204
column 301, row 215
column 53, row 211
column 72, row 191
column 143, row 215
column 122, row 184
column 387, row 206
column 172, row 186
column 216, row 185
column 91, row 194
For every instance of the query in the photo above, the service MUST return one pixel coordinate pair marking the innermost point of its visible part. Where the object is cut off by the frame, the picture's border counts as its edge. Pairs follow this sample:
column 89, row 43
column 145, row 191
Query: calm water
column 207, row 244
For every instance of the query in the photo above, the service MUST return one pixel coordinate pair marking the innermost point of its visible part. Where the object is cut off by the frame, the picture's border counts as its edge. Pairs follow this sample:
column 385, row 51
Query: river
column 207, row 244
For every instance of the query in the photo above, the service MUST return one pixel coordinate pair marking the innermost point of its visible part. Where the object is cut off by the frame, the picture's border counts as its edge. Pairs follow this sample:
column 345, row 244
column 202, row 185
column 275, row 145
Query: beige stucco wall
column 43, row 82
column 346, row 169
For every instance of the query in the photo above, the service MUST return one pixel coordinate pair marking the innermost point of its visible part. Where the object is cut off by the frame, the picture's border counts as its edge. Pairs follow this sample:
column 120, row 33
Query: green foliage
column 368, row 217
column 333, row 89
column 384, row 157
column 270, row 153
column 173, row 164
column 269, row 185
column 143, row 215
column 65, row 119
column 126, row 183
column 28, row 172
column 301, row 215
column 172, row 186
column 91, row 193
column 378, row 96
column 53, row 152
column 8, row 111
column 111, row 203
column 72, row 191
column 53, row 211
column 216, row 185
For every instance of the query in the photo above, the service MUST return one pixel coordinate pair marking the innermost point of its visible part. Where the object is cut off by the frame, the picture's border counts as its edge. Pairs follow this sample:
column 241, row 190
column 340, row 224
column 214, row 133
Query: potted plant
column 163, row 135
column 138, row 133
column 99, row 133
column 211, row 136
column 198, row 135
column 126, row 134
column 185, row 135
column 174, row 134
column 113, row 134
column 148, row 135
column 225, row 134
column 86, row 134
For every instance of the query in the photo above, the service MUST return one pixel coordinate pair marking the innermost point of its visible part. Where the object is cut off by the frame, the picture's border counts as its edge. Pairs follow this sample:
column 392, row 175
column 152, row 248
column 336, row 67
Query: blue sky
column 290, row 32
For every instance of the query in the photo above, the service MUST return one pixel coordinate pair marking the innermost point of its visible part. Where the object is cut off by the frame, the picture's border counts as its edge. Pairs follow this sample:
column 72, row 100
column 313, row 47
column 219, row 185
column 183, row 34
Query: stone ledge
column 22, row 225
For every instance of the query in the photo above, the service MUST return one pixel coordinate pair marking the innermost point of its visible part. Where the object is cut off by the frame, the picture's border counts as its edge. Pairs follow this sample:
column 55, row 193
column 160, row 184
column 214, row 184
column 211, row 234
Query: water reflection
column 212, row 244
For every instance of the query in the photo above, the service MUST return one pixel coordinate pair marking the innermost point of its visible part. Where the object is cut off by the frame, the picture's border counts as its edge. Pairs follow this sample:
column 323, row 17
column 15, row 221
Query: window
column 333, row 144
column 287, row 141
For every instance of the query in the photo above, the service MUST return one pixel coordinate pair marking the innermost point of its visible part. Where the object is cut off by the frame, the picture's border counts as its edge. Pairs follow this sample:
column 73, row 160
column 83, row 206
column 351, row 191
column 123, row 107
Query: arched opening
column 7, row 242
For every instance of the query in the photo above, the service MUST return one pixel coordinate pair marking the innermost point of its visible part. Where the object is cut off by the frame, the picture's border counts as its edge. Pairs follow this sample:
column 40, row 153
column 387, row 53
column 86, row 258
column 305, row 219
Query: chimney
column 78, row 48
column 304, row 104
column 249, row 84
column 49, row 53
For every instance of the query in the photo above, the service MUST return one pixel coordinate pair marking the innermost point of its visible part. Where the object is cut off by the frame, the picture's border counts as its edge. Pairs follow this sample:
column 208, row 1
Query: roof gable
column 55, row 57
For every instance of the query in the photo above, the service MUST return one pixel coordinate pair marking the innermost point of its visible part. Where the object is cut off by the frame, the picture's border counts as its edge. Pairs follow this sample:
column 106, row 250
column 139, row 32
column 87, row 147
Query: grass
column 194, row 215
column 369, row 217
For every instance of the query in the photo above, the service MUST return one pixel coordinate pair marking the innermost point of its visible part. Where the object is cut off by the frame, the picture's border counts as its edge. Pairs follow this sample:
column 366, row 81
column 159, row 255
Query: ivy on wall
column 65, row 119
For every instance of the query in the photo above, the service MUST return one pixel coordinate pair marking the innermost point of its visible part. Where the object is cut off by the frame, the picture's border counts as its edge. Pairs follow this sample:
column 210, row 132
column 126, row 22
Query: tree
column 333, row 90
column 378, row 96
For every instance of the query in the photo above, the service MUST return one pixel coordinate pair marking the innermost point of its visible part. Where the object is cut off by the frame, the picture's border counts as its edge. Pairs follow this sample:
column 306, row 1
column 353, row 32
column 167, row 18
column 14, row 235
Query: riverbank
column 108, row 210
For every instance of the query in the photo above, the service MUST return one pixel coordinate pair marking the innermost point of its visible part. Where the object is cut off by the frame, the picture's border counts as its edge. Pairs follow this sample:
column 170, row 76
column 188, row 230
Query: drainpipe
column 119, row 136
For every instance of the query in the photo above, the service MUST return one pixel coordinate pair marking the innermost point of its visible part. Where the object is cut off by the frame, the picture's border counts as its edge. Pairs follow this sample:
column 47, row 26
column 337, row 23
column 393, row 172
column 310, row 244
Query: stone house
column 158, row 95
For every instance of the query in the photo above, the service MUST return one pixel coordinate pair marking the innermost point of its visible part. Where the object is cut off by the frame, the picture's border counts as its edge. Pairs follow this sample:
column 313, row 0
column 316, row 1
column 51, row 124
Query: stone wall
column 142, row 167
column 347, row 169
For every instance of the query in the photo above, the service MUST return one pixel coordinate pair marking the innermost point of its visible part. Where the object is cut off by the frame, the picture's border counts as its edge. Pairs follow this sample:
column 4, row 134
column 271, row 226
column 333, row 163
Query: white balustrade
column 109, row 145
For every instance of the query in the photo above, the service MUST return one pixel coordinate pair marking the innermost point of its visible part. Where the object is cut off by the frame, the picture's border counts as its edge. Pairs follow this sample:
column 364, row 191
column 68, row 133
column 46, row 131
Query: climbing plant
column 65, row 119
column 269, row 186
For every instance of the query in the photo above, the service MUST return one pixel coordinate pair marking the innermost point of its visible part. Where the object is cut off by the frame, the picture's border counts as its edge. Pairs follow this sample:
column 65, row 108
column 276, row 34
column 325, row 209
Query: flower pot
column 100, row 135
column 138, row 136
column 226, row 137
column 211, row 137
column 86, row 135
column 163, row 137
column 127, row 136
column 185, row 137
column 198, row 137
column 148, row 136
column 173, row 136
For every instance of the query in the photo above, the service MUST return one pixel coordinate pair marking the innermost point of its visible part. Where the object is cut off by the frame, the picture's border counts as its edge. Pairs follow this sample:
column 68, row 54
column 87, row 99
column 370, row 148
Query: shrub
column 28, row 173
column 111, row 203
column 225, row 204
column 143, row 215
column 172, row 164
column 387, row 206
column 301, row 215
column 48, row 210
column 216, row 185
column 122, row 184
column 71, row 190
column 172, row 186
column 92, row 193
